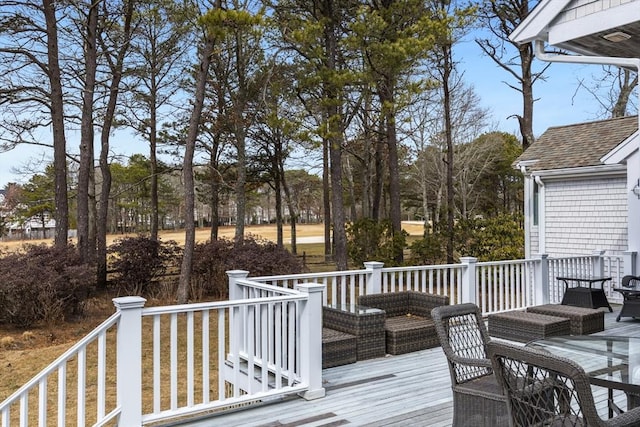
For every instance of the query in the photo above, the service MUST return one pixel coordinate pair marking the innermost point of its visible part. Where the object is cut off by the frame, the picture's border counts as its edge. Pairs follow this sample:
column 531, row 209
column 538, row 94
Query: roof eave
column 620, row 153
column 534, row 26
column 582, row 172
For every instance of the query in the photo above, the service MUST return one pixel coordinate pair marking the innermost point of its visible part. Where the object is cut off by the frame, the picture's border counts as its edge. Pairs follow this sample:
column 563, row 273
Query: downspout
column 542, row 216
column 528, row 191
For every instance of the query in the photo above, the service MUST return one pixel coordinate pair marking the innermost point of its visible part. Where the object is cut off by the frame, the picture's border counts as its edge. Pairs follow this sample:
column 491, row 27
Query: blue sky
column 558, row 104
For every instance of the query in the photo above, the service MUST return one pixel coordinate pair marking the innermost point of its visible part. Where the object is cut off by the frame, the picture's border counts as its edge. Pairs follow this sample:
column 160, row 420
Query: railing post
column 235, row 291
column 541, row 280
column 374, row 277
column 630, row 258
column 468, row 291
column 237, row 316
column 598, row 262
column 311, row 339
column 129, row 359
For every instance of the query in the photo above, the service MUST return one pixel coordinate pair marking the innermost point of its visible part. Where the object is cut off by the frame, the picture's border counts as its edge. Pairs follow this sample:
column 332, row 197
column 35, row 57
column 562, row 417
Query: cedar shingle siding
column 585, row 215
column 582, row 211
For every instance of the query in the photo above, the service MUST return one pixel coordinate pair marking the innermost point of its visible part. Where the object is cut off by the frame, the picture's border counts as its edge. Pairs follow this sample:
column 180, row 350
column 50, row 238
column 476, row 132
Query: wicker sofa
column 408, row 324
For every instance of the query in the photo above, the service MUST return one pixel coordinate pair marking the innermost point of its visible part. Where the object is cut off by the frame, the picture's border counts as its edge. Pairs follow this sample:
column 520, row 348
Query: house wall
column 580, row 8
column 585, row 215
column 534, row 242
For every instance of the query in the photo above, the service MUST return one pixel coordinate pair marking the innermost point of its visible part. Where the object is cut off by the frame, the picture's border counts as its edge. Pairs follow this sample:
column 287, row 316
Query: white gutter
column 581, row 172
column 583, row 59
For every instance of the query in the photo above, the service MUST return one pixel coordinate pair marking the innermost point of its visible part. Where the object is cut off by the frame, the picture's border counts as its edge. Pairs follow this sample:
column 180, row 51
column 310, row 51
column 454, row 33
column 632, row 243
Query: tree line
column 366, row 93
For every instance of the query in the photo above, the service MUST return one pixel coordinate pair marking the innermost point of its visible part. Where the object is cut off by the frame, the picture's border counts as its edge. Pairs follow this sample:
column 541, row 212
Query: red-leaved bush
column 43, row 284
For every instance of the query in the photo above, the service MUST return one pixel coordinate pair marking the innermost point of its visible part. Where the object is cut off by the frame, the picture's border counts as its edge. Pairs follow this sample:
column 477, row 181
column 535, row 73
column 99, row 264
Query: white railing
column 341, row 287
column 596, row 264
column 221, row 355
column 60, row 394
column 493, row 286
column 505, row 285
column 211, row 362
column 147, row 365
column 434, row 279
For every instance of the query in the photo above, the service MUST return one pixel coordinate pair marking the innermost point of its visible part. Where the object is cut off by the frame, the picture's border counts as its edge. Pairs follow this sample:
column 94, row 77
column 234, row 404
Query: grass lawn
column 23, row 353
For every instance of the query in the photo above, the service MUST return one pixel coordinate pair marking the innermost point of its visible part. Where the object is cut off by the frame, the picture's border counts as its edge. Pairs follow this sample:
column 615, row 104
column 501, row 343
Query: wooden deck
column 411, row 389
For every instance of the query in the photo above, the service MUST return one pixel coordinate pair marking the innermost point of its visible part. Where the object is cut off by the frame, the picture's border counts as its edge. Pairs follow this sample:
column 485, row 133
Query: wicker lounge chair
column 408, row 325
column 478, row 399
column 547, row 390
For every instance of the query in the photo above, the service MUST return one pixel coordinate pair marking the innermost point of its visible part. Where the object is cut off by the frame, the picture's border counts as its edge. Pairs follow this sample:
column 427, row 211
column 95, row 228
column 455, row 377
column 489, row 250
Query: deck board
column 410, row 389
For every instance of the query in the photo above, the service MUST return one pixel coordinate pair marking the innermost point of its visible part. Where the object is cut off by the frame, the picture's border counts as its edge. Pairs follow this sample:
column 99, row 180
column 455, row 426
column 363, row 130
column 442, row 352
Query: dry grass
column 202, row 234
column 24, row 353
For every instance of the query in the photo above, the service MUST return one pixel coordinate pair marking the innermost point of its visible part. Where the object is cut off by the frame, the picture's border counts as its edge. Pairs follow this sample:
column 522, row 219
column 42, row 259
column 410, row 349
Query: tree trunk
column 61, row 212
column 626, row 88
column 388, row 98
column 352, row 192
column 331, row 93
column 446, row 74
column 378, row 180
column 339, row 232
column 526, row 121
column 105, row 169
column 293, row 212
column 279, row 208
column 215, row 199
column 189, row 190
column 153, row 136
column 87, row 246
column 241, row 196
column 326, row 199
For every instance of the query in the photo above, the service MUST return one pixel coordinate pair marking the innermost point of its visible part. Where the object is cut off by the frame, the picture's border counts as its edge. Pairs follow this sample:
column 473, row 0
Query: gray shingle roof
column 578, row 145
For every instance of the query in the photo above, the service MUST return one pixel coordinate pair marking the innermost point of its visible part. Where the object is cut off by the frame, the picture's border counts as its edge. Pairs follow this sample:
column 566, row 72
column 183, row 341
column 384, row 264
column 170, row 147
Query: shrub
column 138, row 264
column 43, row 283
column 429, row 250
column 368, row 240
column 260, row 257
column 491, row 239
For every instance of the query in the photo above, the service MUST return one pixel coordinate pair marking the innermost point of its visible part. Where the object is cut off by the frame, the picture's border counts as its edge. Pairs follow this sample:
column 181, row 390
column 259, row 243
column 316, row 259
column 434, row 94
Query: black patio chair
column 478, row 399
column 630, row 281
column 547, row 390
column 631, row 298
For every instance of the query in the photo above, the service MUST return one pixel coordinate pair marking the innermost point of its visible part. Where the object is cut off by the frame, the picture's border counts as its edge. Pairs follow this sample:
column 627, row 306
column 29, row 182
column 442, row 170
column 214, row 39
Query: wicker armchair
column 547, row 390
column 478, row 399
column 408, row 324
column 631, row 305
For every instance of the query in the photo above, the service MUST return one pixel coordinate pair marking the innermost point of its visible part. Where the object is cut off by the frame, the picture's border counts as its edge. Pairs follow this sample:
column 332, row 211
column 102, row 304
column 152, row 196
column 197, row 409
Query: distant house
column 14, row 227
column 576, row 198
column 599, row 170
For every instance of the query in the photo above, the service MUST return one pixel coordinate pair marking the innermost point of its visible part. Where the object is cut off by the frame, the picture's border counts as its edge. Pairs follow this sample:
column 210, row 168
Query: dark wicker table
column 585, row 296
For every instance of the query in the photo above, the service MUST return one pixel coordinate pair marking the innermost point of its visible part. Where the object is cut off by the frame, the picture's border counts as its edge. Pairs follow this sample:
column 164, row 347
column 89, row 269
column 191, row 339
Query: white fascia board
column 585, row 172
column 535, row 25
column 522, row 165
column 593, row 23
column 622, row 151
